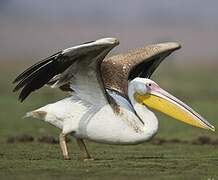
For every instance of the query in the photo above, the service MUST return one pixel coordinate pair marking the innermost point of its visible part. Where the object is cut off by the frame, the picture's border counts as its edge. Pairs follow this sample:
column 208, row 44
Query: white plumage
column 110, row 99
column 99, row 123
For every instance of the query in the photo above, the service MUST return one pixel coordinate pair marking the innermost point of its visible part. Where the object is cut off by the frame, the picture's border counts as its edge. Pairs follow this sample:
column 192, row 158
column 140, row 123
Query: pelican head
column 149, row 94
column 110, row 97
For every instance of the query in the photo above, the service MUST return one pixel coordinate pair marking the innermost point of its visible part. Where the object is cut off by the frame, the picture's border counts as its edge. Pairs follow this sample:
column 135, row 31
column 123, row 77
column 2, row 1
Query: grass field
column 177, row 152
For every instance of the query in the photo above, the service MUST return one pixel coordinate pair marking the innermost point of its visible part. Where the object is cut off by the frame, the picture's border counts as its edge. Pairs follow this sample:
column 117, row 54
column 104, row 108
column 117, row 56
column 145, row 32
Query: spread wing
column 142, row 62
column 76, row 68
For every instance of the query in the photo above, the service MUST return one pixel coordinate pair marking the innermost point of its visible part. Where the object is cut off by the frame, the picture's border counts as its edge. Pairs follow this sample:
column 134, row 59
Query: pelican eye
column 149, row 84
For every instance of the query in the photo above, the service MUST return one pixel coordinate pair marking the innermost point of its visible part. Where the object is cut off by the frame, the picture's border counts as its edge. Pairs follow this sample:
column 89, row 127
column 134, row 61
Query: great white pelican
column 111, row 98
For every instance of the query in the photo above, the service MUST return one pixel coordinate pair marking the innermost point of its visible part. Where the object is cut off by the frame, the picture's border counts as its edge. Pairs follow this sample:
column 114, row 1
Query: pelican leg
column 84, row 152
column 63, row 145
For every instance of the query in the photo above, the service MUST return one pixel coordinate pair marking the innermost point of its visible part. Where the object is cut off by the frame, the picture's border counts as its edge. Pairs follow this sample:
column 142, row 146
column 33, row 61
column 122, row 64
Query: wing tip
column 15, row 89
column 14, row 81
column 22, row 97
column 171, row 46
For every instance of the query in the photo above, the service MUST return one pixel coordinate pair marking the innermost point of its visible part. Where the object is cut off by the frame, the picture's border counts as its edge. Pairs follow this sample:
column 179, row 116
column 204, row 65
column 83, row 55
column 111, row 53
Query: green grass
column 197, row 86
column 117, row 162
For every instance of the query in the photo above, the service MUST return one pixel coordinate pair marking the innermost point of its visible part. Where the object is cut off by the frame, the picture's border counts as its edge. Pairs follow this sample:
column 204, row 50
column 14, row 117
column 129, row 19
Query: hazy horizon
column 36, row 29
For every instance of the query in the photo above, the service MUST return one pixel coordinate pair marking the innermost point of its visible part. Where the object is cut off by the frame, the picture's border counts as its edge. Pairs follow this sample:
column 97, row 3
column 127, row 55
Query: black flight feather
column 41, row 73
column 34, row 67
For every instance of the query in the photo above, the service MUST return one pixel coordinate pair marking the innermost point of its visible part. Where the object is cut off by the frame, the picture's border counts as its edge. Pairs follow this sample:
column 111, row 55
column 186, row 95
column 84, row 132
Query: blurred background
column 32, row 30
